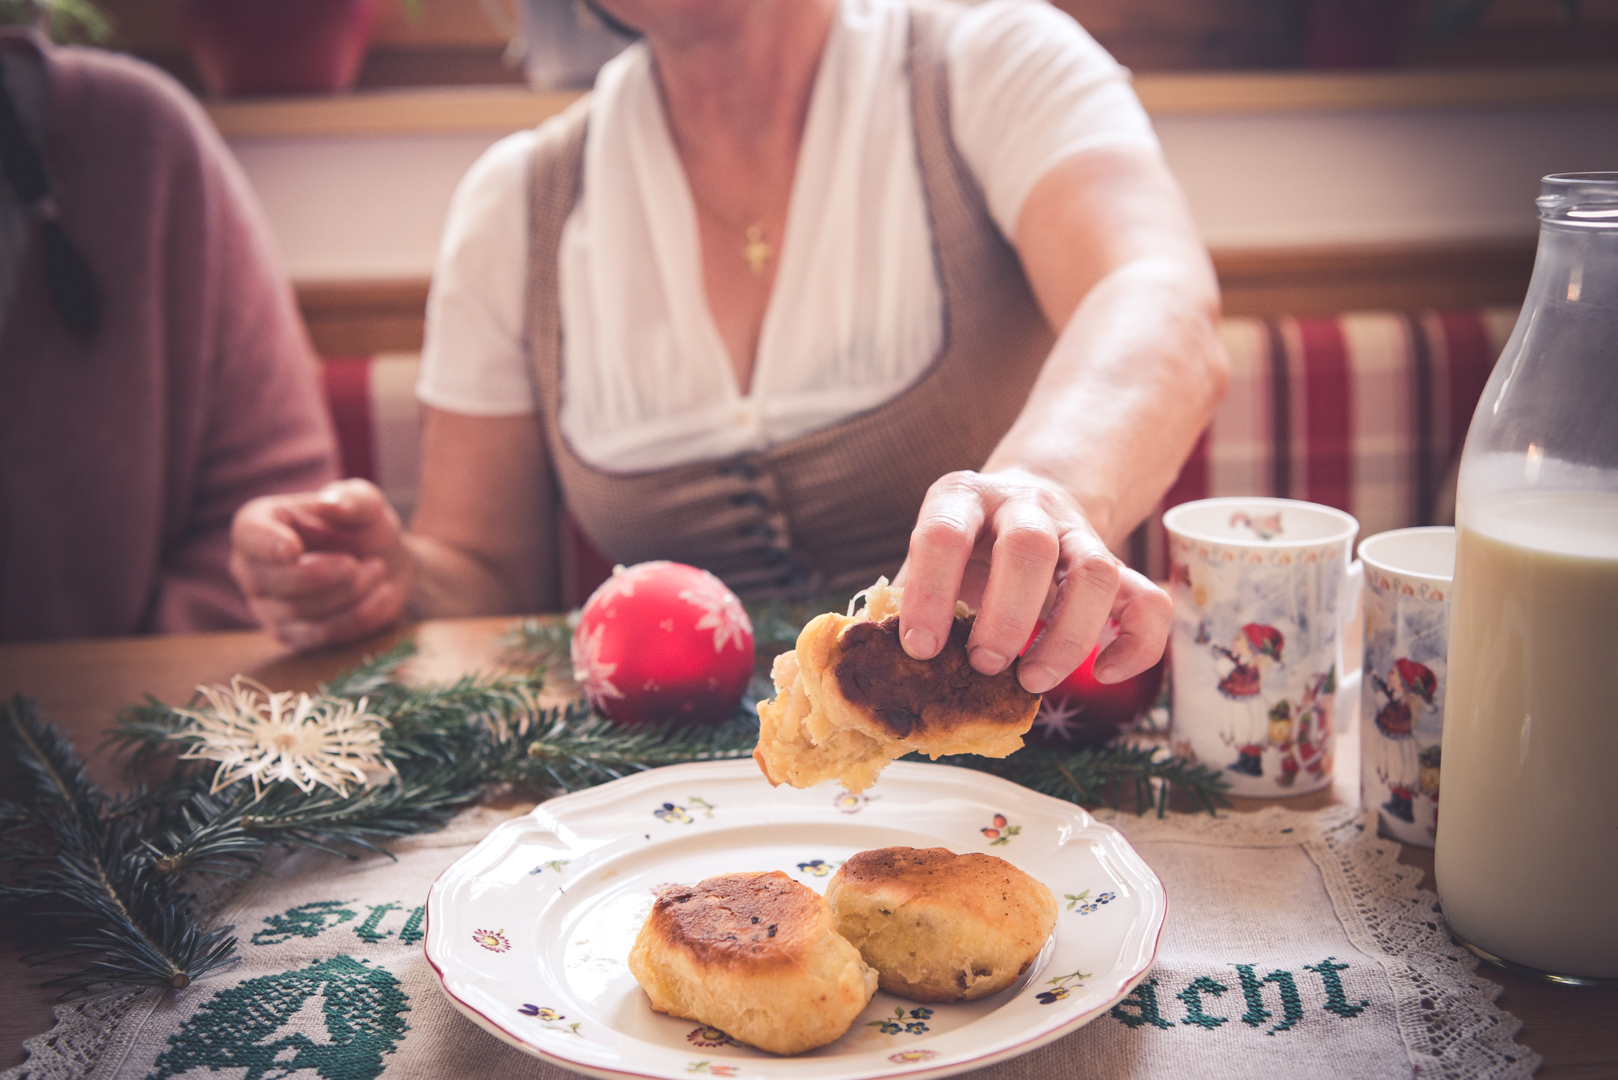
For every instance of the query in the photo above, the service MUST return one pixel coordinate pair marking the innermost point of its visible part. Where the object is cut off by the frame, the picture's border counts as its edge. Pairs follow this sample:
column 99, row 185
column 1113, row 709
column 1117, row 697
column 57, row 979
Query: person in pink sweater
column 154, row 373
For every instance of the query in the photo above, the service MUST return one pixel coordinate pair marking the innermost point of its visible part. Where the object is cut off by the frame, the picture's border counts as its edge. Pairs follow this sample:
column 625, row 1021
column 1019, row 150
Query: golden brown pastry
column 755, row 955
column 849, row 700
column 939, row 926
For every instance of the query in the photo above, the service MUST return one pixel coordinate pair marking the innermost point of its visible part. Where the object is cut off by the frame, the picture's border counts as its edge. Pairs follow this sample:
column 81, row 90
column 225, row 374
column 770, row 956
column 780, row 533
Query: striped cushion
column 373, row 404
column 1365, row 411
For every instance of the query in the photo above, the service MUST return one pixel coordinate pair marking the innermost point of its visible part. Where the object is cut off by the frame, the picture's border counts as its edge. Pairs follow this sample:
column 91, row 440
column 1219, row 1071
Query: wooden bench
column 1366, row 411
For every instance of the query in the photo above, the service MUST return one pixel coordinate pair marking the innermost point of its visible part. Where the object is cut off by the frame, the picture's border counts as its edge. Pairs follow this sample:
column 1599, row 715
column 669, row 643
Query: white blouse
column 856, row 313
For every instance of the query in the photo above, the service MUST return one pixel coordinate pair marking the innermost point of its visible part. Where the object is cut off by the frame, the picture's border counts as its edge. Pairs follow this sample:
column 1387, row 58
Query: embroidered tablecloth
column 1295, row 945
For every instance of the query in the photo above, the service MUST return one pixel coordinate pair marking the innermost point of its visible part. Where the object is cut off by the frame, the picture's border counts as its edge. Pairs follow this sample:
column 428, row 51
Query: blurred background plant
column 1451, row 18
column 63, row 20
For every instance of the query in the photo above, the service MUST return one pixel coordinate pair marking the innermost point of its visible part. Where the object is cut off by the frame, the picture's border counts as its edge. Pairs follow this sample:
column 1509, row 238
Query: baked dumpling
column 849, row 700
column 755, row 955
column 939, row 926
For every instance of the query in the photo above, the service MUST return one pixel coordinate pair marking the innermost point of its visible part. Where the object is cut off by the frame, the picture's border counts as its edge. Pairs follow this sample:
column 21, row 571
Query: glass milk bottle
column 1527, row 847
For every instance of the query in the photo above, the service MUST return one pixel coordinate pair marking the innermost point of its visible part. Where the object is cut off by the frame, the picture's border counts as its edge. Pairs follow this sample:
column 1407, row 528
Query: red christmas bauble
column 1081, row 711
column 660, row 641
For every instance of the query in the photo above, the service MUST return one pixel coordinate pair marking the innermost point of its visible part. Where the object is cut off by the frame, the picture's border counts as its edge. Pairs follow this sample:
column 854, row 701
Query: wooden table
column 81, row 684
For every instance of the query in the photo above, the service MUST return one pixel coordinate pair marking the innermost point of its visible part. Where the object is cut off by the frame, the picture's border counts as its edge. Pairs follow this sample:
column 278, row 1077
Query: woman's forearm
column 1131, row 382
column 1115, row 261
column 445, row 582
column 483, row 538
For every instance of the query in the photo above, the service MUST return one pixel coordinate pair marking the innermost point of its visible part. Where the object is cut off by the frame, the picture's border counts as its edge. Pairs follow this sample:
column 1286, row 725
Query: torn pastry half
column 849, row 699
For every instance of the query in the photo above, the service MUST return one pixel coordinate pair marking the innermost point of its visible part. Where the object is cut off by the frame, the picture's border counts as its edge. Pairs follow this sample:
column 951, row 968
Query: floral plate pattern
column 568, row 931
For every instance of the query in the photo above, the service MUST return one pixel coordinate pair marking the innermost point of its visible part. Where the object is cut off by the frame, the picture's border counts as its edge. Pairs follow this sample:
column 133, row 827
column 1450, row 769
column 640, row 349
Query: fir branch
column 1091, row 777
column 123, row 912
column 547, row 642
column 371, row 675
column 778, row 622
column 445, row 722
column 578, row 749
column 445, row 742
column 228, row 832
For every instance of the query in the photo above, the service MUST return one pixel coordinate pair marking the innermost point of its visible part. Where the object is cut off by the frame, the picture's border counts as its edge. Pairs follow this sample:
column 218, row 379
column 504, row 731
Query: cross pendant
column 756, row 252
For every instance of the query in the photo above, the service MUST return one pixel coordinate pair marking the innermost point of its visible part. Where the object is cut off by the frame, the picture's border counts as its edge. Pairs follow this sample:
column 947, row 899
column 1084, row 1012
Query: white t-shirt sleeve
column 1029, row 89
column 475, row 356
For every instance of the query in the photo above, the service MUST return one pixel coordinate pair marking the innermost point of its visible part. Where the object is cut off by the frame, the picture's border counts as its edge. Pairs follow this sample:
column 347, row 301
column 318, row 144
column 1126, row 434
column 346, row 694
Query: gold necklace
column 756, row 251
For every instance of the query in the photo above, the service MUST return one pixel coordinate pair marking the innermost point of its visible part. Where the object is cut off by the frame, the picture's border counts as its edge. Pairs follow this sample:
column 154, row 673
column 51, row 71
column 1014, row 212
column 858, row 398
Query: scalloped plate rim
column 582, row 802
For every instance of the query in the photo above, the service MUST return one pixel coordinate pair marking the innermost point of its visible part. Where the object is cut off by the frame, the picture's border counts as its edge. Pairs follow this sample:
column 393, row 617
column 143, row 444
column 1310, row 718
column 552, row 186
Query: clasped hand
column 322, row 567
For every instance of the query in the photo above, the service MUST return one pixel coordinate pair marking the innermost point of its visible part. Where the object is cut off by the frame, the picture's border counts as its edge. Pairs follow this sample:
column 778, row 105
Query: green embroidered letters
column 1192, row 996
column 311, row 920
column 412, row 927
column 1141, row 1008
column 1253, row 991
column 367, row 932
column 336, row 1017
column 1336, row 999
column 305, row 920
column 1144, row 1000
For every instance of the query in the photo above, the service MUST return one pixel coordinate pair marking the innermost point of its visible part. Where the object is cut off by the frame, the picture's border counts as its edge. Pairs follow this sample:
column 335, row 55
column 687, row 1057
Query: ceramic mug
column 1407, row 594
column 1262, row 589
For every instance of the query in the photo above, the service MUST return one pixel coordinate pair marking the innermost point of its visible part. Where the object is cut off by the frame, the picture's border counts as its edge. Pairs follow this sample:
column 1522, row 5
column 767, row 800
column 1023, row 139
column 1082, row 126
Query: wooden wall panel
column 1404, row 277
column 456, row 42
column 358, row 318
column 355, row 318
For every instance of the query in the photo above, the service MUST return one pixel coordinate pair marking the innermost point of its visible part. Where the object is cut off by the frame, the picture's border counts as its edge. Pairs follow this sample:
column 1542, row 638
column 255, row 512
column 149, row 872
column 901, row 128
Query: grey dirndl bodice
column 832, row 509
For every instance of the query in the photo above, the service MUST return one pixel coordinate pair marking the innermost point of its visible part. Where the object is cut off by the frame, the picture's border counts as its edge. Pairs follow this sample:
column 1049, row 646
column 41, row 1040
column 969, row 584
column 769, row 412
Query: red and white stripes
column 1366, row 412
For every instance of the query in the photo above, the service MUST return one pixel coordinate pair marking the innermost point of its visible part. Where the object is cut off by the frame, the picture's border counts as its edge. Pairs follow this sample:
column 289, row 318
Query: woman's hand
column 1115, row 261
column 322, row 567
column 1017, row 546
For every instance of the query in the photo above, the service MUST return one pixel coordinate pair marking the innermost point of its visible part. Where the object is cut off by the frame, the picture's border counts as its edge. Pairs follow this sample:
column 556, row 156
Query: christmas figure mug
column 1407, row 591
column 1262, row 588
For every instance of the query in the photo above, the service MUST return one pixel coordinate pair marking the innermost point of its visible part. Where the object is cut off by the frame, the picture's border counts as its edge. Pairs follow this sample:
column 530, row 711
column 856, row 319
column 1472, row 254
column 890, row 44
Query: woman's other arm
column 333, row 565
column 1115, row 262
column 483, row 540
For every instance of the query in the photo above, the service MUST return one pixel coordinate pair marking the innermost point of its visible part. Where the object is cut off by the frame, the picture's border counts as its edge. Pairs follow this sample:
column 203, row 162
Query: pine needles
column 579, row 750
column 87, row 872
column 106, row 875
column 1103, row 775
column 106, row 879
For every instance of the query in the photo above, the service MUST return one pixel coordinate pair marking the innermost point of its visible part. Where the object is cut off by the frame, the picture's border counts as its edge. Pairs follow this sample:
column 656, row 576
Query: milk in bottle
column 1526, row 853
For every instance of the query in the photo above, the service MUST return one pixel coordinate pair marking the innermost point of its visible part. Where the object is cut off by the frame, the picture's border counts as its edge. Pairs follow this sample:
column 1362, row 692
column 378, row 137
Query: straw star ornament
column 261, row 736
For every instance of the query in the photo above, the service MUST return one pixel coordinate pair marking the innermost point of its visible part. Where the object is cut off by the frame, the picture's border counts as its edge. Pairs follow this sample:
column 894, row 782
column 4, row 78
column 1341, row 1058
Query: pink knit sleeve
column 264, row 426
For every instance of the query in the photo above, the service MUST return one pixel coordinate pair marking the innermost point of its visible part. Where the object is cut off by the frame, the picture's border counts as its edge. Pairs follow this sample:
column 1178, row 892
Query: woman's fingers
column 354, row 516
column 319, row 583
column 366, row 615
column 1087, row 581
column 346, row 515
column 940, row 546
column 1023, row 544
column 1145, row 614
column 1023, row 561
column 264, row 530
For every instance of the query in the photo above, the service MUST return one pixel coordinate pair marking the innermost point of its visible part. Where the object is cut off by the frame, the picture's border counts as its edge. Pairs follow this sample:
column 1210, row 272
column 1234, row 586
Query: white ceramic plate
column 530, row 931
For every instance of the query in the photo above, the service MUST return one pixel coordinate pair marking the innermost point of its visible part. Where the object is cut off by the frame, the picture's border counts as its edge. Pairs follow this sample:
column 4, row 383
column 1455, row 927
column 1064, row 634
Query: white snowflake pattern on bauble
column 722, row 613
column 593, row 675
column 621, row 584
